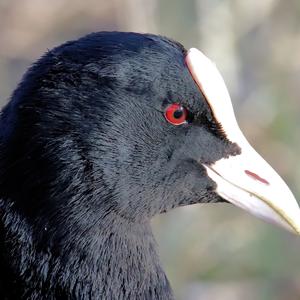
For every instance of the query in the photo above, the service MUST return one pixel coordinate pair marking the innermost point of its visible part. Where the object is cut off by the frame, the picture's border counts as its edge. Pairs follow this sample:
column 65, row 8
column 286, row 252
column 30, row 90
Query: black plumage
column 87, row 158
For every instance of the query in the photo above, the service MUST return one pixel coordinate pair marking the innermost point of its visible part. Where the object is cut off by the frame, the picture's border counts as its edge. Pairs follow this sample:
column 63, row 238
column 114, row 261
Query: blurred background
column 209, row 251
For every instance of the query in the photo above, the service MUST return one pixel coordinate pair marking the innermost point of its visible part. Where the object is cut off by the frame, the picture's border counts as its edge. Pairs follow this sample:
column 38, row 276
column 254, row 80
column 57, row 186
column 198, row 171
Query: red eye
column 176, row 114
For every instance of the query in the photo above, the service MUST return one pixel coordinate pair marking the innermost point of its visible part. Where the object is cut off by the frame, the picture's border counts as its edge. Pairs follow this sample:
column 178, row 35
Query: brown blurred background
column 216, row 252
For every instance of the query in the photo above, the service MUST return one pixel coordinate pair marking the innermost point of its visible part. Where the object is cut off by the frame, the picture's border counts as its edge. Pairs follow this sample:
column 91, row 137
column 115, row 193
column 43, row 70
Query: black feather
column 87, row 159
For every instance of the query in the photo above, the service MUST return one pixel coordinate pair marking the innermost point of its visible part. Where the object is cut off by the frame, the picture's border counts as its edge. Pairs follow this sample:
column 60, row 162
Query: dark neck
column 115, row 259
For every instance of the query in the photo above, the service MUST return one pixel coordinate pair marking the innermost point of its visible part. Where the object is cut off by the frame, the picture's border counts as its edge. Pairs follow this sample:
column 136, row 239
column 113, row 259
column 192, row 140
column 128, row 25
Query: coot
column 102, row 134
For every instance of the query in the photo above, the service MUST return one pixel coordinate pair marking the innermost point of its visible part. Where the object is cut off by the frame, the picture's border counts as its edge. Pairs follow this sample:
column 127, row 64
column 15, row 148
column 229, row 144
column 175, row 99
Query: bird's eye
column 176, row 114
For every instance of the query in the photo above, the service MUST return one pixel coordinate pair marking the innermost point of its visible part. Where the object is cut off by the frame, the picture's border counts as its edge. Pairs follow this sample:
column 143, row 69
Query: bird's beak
column 246, row 179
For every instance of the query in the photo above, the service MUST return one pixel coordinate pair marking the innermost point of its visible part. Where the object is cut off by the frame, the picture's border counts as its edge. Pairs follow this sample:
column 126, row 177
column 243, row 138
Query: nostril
column 257, row 177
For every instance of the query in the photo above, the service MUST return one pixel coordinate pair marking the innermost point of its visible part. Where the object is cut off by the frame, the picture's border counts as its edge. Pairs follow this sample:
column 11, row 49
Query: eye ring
column 176, row 114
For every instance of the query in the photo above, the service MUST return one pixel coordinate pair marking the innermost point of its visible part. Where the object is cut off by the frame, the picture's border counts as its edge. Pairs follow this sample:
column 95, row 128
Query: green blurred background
column 209, row 251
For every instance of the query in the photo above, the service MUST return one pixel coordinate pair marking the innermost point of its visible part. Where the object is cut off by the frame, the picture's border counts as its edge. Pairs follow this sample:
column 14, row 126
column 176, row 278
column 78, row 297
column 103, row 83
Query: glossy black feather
column 87, row 159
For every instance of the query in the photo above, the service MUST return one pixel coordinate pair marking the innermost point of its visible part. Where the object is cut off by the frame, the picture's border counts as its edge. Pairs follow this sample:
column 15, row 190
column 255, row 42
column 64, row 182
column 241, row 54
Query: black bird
column 102, row 134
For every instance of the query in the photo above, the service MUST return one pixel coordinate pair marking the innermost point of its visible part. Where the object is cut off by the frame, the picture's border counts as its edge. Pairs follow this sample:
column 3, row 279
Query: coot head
column 94, row 111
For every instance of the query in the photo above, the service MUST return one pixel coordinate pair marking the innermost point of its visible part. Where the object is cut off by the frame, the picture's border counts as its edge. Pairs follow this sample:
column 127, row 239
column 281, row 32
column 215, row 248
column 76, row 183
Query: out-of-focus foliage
column 213, row 251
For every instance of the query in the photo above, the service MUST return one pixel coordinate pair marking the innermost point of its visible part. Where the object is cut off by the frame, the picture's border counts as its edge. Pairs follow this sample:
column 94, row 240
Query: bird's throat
column 113, row 260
